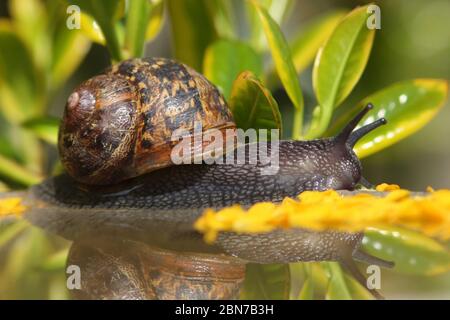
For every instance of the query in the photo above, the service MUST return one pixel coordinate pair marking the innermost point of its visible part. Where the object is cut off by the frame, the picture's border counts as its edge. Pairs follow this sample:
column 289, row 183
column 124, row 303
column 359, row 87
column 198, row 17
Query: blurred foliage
column 230, row 42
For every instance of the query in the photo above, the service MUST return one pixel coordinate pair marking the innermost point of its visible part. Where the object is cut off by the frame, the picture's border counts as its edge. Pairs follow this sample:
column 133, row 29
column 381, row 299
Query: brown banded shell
column 119, row 124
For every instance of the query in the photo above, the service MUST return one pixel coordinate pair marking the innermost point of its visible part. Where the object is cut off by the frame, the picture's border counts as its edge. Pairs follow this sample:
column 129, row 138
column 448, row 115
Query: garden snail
column 117, row 127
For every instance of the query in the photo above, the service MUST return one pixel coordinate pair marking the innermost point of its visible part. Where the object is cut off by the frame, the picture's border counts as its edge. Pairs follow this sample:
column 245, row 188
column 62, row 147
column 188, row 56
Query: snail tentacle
column 363, row 256
column 358, row 134
column 350, row 266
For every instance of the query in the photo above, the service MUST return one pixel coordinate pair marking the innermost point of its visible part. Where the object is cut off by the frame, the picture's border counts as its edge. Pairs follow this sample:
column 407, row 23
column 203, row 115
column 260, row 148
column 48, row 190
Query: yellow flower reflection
column 11, row 206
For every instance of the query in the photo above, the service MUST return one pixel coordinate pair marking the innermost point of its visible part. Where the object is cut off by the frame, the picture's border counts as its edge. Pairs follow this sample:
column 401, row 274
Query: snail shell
column 119, row 125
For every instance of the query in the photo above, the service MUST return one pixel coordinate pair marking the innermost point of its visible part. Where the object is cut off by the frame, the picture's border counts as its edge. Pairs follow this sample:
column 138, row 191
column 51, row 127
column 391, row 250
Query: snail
column 130, row 212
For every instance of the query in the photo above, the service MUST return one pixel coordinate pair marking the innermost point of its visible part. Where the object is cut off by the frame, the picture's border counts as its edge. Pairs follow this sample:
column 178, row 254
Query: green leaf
column 156, row 19
column 226, row 59
column 11, row 231
column 58, row 287
column 7, row 148
column 19, row 273
column 19, row 83
column 315, row 273
column 91, row 29
column 283, row 63
column 307, row 292
column 106, row 13
column 223, row 17
column 339, row 65
column 192, row 30
column 306, row 44
column 407, row 106
column 45, row 128
column 278, row 10
column 137, row 19
column 31, row 21
column 56, row 261
column 357, row 291
column 15, row 172
column 266, row 281
column 252, row 104
column 22, row 93
column 69, row 49
column 412, row 252
column 337, row 287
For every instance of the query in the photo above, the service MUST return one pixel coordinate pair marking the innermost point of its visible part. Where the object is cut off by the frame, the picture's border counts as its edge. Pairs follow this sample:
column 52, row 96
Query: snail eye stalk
column 361, row 132
column 347, row 135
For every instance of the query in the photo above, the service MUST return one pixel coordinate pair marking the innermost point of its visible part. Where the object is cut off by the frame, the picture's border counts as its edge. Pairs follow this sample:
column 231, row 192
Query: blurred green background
column 413, row 43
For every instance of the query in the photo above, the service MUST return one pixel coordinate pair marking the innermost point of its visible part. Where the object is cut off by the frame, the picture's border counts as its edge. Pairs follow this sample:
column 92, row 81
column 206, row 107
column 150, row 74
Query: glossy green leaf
column 45, row 128
column 339, row 65
column 283, row 63
column 226, row 59
column 412, row 252
column 106, row 13
column 91, row 29
column 137, row 19
column 19, row 83
column 337, row 287
column 252, row 104
column 306, row 44
column 156, row 19
column 192, row 30
column 69, row 49
column 266, row 281
column 407, row 105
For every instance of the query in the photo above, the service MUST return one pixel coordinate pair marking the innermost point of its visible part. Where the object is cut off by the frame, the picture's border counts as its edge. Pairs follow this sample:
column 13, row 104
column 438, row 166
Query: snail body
column 117, row 126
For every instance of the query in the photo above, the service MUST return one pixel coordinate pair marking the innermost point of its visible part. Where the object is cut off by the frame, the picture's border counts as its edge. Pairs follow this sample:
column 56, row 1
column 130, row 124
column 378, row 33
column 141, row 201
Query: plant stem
column 137, row 20
column 297, row 124
column 319, row 123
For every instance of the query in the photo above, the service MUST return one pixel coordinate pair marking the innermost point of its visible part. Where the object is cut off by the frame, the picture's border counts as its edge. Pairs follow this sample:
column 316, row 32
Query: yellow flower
column 330, row 210
column 387, row 187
